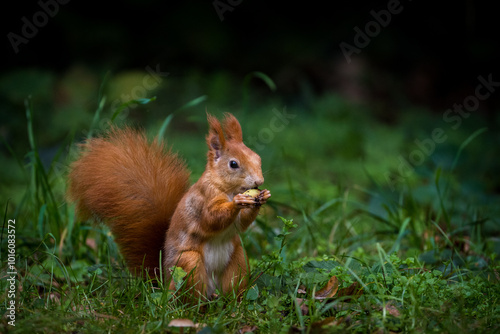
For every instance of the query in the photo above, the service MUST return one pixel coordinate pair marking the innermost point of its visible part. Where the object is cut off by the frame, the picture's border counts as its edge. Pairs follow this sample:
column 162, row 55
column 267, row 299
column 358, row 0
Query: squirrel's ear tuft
column 215, row 138
column 232, row 128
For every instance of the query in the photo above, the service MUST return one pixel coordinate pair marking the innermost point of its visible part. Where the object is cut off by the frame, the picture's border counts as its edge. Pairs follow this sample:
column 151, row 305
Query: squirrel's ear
column 215, row 137
column 232, row 128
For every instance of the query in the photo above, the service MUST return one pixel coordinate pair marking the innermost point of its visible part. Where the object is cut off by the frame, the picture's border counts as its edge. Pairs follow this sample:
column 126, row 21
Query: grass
column 336, row 250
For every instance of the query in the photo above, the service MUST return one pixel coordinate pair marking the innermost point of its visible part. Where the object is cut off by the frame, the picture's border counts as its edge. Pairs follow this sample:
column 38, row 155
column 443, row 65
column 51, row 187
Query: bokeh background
column 354, row 122
column 364, row 153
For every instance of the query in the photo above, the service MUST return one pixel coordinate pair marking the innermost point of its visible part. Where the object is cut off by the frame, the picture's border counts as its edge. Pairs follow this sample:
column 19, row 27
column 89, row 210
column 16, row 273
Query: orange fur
column 232, row 128
column 141, row 192
column 132, row 185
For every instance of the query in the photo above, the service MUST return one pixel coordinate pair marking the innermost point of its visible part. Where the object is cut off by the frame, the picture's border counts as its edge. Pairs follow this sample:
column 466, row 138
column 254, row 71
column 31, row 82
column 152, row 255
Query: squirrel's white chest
column 217, row 256
column 217, row 253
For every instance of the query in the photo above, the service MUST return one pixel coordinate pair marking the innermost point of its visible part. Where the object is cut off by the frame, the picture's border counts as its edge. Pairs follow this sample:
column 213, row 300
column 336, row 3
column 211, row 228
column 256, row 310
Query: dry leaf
column 55, row 297
column 181, row 323
column 392, row 310
column 247, row 329
column 330, row 321
column 302, row 305
column 329, row 290
column 91, row 243
column 351, row 290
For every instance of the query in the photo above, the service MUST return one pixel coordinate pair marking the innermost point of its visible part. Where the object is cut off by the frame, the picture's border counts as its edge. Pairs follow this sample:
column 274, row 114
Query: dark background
column 430, row 54
column 341, row 168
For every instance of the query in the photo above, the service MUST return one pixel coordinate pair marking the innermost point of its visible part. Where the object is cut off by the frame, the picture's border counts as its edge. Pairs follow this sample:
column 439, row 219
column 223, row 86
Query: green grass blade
column 41, row 216
column 397, row 243
column 168, row 119
column 102, row 101
column 40, row 184
column 97, row 116
column 440, row 196
column 19, row 162
column 192, row 103
column 465, row 143
column 267, row 80
column 127, row 104
column 246, row 85
column 448, row 241
column 29, row 117
column 163, row 127
column 326, row 206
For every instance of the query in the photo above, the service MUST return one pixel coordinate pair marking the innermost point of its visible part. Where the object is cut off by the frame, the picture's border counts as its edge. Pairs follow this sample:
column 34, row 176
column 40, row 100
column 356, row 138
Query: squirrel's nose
column 259, row 182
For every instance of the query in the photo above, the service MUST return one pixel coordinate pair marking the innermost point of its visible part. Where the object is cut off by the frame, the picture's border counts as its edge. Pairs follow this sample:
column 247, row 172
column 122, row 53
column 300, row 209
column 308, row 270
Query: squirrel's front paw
column 243, row 201
column 263, row 196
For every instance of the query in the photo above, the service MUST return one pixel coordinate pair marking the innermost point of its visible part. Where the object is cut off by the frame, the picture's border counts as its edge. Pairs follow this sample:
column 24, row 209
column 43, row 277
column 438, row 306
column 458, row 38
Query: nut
column 252, row 193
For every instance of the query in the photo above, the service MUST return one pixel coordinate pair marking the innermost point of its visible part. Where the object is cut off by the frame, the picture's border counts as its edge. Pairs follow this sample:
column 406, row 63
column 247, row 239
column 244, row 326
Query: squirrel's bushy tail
column 134, row 187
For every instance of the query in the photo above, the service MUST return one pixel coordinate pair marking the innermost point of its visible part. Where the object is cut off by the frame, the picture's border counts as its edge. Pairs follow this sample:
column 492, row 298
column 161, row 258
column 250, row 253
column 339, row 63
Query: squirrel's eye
column 233, row 164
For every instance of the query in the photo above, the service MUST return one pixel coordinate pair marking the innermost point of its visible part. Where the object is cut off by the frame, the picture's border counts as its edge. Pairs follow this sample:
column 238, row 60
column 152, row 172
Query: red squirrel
column 141, row 191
